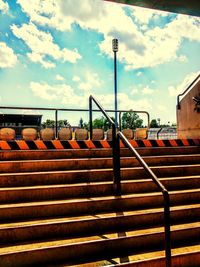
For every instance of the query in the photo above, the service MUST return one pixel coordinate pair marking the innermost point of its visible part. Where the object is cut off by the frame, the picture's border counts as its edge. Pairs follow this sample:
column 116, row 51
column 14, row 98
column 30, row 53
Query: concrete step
column 97, row 224
column 90, row 176
column 93, row 163
column 78, row 251
column 58, row 207
column 92, row 153
column 84, row 206
column 95, row 189
column 184, row 257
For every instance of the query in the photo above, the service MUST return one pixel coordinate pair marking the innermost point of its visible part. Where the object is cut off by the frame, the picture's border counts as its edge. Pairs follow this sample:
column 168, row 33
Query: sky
column 55, row 53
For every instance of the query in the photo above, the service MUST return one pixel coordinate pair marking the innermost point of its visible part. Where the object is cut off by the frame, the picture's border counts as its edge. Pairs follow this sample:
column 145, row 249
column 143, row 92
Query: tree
column 52, row 123
column 131, row 120
column 99, row 123
column 81, row 123
column 102, row 123
column 154, row 124
column 48, row 123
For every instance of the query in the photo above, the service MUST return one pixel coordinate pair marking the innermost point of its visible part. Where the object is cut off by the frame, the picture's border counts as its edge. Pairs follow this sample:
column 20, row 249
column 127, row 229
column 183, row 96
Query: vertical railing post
column 90, row 116
column 120, row 121
column 56, row 119
column 115, row 145
column 116, row 162
column 167, row 228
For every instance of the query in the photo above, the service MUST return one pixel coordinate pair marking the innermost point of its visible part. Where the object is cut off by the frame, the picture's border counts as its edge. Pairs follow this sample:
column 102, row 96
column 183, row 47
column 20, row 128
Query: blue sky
column 53, row 54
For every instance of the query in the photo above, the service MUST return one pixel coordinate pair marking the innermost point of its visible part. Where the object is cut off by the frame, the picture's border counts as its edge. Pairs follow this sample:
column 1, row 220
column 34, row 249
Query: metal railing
column 117, row 179
column 56, row 110
column 185, row 91
column 46, row 109
column 115, row 147
column 160, row 187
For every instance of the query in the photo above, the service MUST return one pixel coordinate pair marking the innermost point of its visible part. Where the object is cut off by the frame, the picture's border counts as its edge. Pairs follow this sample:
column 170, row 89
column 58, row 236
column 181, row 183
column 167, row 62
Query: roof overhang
column 189, row 7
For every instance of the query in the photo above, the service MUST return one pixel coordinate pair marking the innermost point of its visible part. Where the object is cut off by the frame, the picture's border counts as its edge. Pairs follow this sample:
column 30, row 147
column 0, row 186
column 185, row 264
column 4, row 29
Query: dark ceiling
column 190, row 7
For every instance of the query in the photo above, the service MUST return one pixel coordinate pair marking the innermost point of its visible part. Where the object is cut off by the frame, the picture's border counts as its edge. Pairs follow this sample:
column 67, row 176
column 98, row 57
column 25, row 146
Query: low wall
column 89, row 144
column 188, row 116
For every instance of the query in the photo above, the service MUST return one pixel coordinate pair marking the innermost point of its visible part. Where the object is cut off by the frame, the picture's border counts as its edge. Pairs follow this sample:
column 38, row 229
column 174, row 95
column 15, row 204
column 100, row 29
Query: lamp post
column 115, row 50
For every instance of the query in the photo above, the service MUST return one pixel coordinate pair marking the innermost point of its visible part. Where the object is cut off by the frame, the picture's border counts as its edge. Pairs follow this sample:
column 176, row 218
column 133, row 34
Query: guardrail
column 115, row 147
column 117, row 179
column 185, row 91
column 158, row 184
column 56, row 110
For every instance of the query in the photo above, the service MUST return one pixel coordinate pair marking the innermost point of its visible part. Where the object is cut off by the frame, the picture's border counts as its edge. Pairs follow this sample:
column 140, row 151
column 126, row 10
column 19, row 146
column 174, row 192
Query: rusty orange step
column 77, row 207
column 96, row 248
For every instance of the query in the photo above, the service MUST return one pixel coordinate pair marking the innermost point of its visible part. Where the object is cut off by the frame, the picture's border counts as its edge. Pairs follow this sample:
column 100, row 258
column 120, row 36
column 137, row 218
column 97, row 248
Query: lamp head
column 115, row 45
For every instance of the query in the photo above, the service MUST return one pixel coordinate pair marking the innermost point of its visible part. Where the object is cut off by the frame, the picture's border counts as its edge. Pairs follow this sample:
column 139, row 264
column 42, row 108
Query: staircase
column 57, row 208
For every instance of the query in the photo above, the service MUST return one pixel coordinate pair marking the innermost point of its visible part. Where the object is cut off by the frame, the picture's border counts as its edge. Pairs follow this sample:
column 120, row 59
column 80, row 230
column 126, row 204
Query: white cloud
column 134, row 91
column 65, row 94
column 59, row 77
column 143, row 16
column 162, row 108
column 30, row 112
column 42, row 46
column 7, row 57
column 76, row 79
column 147, row 91
column 137, row 49
column 62, row 93
column 91, row 82
column 175, row 90
column 139, row 73
column 4, row 6
column 144, row 90
column 182, row 58
column 43, row 90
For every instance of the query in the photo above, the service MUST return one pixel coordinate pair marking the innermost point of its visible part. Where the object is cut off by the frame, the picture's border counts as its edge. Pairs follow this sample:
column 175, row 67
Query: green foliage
column 81, row 123
column 131, row 120
column 98, row 123
column 101, row 123
column 52, row 123
column 154, row 124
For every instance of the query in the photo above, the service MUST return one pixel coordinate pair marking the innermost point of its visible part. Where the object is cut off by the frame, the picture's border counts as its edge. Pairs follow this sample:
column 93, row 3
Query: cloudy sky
column 55, row 53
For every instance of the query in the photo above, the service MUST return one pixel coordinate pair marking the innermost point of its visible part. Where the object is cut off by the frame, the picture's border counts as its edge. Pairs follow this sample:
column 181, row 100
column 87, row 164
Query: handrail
column 159, row 132
column 117, row 184
column 161, row 188
column 189, row 86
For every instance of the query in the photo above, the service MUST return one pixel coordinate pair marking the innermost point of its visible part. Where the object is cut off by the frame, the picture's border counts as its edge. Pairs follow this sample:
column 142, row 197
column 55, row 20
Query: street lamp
column 115, row 50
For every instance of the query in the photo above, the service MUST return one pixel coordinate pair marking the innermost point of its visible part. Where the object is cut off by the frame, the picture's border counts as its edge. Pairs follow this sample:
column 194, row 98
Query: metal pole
column 167, row 229
column 115, row 49
column 56, row 119
column 115, row 85
column 90, row 116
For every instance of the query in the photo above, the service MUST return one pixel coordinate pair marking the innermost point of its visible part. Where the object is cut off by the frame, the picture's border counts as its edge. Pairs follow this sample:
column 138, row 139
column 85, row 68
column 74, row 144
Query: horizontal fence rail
column 56, row 110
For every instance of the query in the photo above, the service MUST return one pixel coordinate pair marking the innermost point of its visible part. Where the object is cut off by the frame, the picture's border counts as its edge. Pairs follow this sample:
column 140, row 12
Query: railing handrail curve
column 162, row 189
column 117, row 179
column 185, row 91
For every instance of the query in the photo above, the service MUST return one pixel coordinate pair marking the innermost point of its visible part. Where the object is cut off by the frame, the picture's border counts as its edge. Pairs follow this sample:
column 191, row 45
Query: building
column 20, row 121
